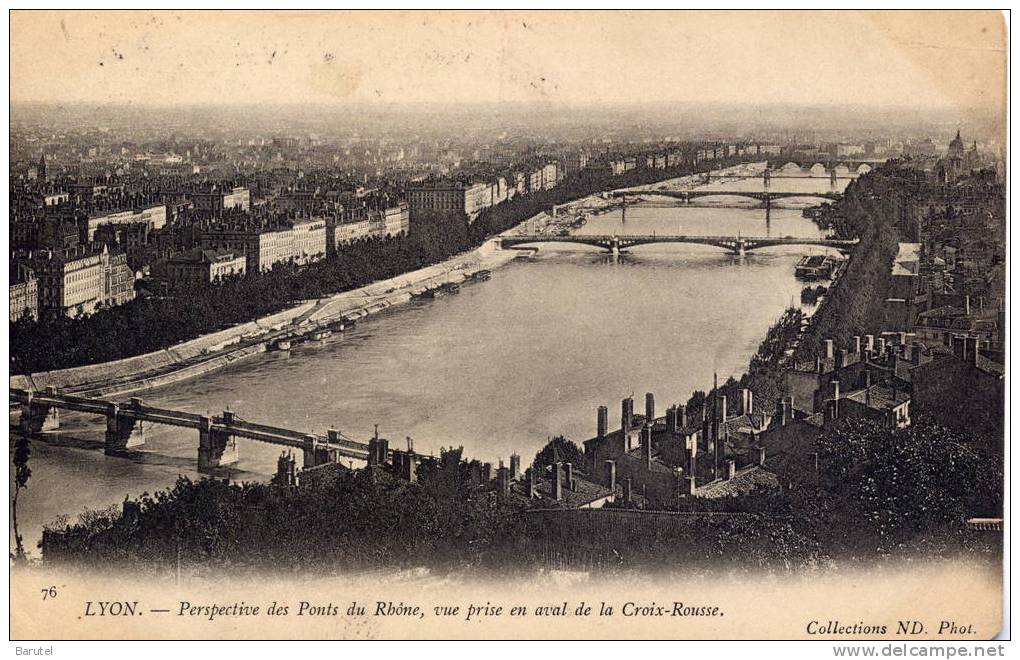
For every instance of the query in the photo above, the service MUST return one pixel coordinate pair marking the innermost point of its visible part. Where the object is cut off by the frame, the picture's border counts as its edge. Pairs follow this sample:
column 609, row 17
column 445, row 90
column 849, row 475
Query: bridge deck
column 76, row 404
column 763, row 195
column 631, row 240
column 339, row 443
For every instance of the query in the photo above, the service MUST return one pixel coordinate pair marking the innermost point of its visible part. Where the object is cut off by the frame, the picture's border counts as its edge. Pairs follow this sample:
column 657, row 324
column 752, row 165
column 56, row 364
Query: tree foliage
column 22, row 473
column 558, row 450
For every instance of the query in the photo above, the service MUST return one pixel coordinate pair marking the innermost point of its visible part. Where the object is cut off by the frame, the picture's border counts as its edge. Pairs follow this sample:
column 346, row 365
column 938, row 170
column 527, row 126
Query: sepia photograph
column 508, row 325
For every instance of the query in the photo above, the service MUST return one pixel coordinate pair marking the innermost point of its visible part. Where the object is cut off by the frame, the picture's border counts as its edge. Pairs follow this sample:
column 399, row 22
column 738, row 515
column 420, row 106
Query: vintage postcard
column 507, row 324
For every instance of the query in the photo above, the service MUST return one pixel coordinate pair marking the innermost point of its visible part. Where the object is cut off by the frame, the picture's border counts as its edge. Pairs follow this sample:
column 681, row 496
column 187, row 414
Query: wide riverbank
column 220, row 349
column 215, row 351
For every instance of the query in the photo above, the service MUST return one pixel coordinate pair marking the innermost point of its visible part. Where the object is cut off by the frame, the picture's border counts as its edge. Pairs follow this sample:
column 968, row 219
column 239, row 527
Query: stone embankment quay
column 240, row 342
column 220, row 349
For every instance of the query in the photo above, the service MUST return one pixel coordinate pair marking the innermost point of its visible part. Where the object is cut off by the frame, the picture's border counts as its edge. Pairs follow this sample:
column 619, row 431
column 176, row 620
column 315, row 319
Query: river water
column 497, row 368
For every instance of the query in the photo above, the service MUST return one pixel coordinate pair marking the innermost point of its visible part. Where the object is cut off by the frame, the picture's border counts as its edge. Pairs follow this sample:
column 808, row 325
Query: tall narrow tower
column 42, row 167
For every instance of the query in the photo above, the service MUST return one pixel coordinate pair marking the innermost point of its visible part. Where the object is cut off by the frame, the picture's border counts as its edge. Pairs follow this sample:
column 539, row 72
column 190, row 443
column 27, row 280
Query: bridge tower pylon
column 37, row 417
column 122, row 431
column 216, row 447
column 767, row 178
column 832, row 176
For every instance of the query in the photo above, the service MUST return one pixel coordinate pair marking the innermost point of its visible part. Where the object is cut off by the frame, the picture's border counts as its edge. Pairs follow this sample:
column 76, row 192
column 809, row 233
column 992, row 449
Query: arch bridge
column 735, row 244
column 688, row 195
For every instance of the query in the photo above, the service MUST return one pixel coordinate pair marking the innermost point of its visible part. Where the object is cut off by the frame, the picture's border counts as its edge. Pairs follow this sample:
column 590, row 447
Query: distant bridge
column 217, row 434
column 765, row 196
column 833, row 176
column 734, row 244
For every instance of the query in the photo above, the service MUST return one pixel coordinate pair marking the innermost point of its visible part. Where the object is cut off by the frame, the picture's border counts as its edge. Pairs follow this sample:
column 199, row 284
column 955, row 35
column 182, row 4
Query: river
column 497, row 368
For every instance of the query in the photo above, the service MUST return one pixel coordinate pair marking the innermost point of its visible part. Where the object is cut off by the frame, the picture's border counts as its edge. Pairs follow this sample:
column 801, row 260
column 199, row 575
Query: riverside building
column 77, row 281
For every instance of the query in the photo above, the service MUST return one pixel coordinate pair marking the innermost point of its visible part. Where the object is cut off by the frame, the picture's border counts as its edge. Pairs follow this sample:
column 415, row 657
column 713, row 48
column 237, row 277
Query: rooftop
column 880, row 397
column 744, row 482
column 200, row 255
column 584, row 492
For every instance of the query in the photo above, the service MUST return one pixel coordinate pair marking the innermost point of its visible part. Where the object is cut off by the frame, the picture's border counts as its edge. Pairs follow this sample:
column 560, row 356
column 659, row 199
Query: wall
column 119, row 373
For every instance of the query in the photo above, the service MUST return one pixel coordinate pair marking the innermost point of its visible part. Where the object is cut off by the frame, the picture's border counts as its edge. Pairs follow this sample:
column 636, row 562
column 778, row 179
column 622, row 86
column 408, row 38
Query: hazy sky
column 945, row 60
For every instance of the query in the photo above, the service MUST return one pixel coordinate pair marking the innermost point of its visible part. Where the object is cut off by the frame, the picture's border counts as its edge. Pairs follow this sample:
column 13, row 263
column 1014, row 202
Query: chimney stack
column 706, row 427
column 819, row 365
column 855, row 344
column 831, row 410
column 731, row 469
column 841, row 358
column 530, row 476
column 959, row 345
column 646, row 445
column 602, row 424
column 881, row 346
column 746, row 401
column 760, row 455
column 649, row 407
column 719, row 454
column 503, row 478
column 407, row 467
column 557, row 482
column 869, row 344
column 830, row 347
column 611, row 475
column 720, row 402
column 568, row 468
column 515, row 467
column 627, row 414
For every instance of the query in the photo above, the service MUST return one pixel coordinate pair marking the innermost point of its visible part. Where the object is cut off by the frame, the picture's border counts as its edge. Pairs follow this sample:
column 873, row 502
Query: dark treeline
column 879, row 493
column 150, row 323
column 872, row 210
